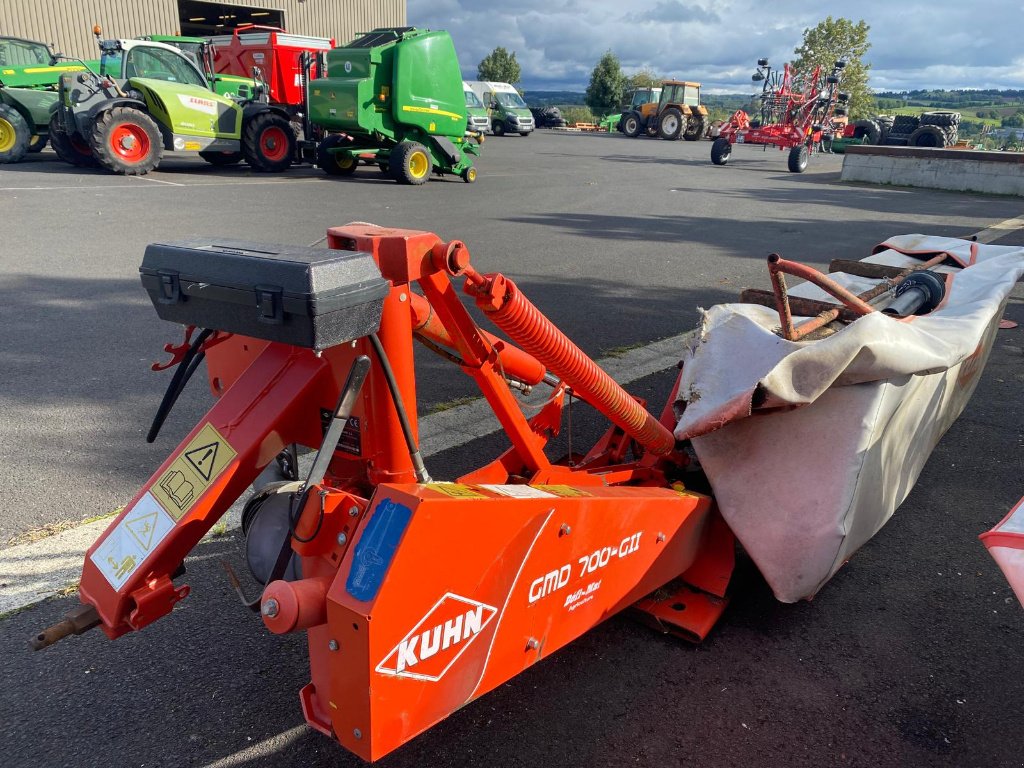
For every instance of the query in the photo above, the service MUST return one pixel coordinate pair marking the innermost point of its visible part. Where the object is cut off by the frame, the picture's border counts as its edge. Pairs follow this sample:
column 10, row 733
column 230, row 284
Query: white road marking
column 261, row 749
column 35, row 571
column 1001, row 229
column 257, row 182
column 157, row 181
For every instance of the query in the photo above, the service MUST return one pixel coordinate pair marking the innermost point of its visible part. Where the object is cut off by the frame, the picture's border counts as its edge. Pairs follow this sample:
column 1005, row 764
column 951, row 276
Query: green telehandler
column 149, row 97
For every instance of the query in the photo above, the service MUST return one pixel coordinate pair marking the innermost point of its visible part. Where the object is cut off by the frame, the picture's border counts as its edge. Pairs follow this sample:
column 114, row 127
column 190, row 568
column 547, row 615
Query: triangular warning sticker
column 142, row 529
column 203, row 459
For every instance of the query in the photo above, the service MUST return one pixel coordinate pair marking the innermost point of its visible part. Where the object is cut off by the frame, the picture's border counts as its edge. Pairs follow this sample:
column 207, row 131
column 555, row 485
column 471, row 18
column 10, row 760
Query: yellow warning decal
column 456, row 490
column 195, row 470
column 132, row 540
column 192, row 146
column 566, row 491
column 426, row 111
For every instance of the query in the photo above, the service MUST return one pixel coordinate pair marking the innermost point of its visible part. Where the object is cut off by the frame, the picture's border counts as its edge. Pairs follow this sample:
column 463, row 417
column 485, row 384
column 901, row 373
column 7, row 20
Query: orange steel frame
column 417, row 598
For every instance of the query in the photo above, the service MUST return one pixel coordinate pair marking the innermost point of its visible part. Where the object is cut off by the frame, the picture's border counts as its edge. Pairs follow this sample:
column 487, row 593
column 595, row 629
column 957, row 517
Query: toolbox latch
column 170, row 287
column 269, row 304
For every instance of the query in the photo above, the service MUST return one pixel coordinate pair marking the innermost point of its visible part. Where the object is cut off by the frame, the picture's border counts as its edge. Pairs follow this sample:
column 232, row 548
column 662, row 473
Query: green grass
column 449, row 404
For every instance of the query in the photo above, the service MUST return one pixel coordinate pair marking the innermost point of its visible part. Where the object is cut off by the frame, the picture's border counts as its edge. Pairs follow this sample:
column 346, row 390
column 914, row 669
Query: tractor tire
column 798, row 156
column 941, row 119
column 331, row 163
column 127, row 141
column 221, row 158
column 268, row 143
column 927, row 136
column 672, row 124
column 632, row 125
column 868, row 129
column 15, row 135
column 411, row 163
column 721, row 151
column 651, row 129
column 37, row 144
column 71, row 149
column 695, row 128
column 498, row 128
column 469, row 175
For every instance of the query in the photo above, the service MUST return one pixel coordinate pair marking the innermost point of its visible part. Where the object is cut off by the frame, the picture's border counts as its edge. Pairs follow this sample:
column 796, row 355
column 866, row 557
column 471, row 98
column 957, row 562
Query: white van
column 508, row 112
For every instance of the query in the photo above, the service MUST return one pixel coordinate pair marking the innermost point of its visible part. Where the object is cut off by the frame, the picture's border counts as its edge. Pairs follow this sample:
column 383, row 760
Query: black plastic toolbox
column 313, row 298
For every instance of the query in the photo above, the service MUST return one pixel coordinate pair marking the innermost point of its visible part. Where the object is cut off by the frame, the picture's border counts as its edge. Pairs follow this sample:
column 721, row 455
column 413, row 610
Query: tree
column 645, row 78
column 606, row 84
column 499, row 66
column 835, row 39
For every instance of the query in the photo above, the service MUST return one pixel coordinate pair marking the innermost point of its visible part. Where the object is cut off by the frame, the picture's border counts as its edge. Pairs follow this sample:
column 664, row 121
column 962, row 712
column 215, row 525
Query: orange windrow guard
column 418, row 596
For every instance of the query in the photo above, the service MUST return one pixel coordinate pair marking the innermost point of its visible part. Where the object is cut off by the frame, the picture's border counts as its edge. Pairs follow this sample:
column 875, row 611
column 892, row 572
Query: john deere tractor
column 149, row 97
column 677, row 113
column 28, row 95
column 394, row 98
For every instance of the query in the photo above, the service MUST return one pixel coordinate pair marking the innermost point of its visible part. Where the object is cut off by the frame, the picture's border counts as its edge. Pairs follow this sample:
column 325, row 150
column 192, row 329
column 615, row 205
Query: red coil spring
column 532, row 331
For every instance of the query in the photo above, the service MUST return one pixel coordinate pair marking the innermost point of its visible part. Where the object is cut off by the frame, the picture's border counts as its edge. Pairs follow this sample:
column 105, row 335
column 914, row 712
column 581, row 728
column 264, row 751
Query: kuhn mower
column 419, row 595
column 796, row 113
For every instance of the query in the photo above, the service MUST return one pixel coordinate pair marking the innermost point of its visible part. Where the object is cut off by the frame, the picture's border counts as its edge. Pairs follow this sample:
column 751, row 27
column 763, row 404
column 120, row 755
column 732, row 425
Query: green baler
column 394, row 97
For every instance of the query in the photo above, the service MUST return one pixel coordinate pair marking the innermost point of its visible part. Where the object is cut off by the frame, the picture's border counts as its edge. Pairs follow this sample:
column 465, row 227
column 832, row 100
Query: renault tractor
column 148, row 98
column 678, row 113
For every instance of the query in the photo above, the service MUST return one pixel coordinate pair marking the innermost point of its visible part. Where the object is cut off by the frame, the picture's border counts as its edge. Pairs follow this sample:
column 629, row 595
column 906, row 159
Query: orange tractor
column 677, row 113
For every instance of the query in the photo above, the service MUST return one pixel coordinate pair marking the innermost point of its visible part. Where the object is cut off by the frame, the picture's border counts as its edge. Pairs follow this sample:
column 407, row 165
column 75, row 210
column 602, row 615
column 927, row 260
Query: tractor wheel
column 498, row 128
column 672, row 124
column 632, row 125
column 798, row 158
column 695, row 129
column 869, row 129
column 651, row 128
column 469, row 175
column 334, row 164
column 721, row 151
column 927, row 136
column 221, row 158
column 411, row 163
column 37, row 143
column 268, row 143
column 15, row 135
column 127, row 141
column 71, row 149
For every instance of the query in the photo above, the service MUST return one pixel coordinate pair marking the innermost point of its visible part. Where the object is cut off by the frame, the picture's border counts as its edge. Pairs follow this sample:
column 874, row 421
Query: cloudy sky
column 914, row 43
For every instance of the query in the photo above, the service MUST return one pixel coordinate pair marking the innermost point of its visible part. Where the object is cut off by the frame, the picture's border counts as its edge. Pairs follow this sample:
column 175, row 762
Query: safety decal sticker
column 438, row 639
column 133, row 539
column 518, row 491
column 456, row 490
column 193, row 471
column 565, row 491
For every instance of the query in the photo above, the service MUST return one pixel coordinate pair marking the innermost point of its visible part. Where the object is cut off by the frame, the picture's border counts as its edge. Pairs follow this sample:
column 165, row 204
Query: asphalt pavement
column 909, row 657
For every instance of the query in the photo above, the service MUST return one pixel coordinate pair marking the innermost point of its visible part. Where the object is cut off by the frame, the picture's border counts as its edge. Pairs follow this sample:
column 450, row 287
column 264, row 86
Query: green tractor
column 200, row 50
column 29, row 71
column 149, row 97
column 394, row 98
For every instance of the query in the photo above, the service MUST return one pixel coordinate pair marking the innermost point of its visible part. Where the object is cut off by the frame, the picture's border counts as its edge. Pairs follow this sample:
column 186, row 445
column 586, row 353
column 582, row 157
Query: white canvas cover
column 811, row 445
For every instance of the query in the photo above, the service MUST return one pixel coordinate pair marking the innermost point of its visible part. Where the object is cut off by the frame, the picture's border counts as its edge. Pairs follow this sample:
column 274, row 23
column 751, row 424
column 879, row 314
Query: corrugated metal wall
column 67, row 24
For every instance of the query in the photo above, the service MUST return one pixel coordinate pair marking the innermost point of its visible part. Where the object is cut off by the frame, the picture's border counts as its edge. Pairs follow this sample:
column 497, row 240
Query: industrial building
column 67, row 25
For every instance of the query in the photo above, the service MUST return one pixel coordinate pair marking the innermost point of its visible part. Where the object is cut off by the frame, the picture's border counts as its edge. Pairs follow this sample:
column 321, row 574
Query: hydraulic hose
column 530, row 329
column 403, row 417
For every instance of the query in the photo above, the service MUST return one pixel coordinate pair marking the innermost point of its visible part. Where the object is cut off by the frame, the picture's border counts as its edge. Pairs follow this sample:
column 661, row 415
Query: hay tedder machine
column 418, row 595
column 797, row 110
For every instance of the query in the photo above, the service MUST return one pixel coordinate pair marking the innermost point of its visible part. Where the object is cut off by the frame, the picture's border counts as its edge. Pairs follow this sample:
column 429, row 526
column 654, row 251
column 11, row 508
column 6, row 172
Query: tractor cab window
column 691, row 96
column 472, row 100
column 22, row 53
column 510, row 100
column 159, row 64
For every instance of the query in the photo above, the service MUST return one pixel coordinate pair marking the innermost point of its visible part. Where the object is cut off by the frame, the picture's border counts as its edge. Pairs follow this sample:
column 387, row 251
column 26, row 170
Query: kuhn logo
column 437, row 641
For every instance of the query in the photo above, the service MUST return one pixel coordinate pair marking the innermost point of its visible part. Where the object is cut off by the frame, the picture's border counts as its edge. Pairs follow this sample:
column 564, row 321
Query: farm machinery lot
column 903, row 659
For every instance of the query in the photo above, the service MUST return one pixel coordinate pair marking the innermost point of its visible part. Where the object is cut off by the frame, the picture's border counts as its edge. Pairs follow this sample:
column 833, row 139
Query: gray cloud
column 915, row 44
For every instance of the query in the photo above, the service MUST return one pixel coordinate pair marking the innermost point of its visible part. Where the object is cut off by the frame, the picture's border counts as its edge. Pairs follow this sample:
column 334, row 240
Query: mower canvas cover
column 1005, row 543
column 810, row 446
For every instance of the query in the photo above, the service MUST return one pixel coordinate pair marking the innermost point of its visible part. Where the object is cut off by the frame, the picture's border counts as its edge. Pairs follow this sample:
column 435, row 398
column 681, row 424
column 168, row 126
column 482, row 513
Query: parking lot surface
column 910, row 656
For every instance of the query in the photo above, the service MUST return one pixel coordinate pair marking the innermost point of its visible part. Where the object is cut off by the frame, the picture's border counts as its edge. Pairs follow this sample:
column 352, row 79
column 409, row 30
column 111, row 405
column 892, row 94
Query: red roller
column 511, row 311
